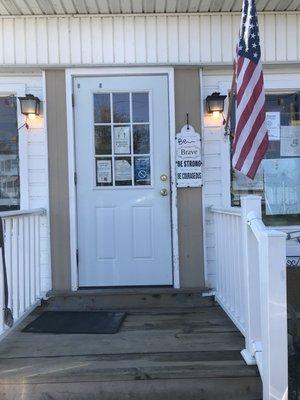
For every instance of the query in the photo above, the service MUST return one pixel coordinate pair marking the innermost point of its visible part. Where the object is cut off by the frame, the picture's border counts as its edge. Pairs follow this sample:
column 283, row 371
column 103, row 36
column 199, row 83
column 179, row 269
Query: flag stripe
column 247, row 130
column 251, row 138
column 243, row 115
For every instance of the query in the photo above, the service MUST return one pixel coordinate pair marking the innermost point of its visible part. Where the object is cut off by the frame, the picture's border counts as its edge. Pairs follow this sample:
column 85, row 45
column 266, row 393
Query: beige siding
column 190, row 222
column 149, row 39
column 58, row 179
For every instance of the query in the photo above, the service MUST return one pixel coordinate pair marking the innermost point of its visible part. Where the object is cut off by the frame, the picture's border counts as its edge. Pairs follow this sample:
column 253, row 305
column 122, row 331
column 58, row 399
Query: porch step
column 199, row 388
column 128, row 299
column 157, row 355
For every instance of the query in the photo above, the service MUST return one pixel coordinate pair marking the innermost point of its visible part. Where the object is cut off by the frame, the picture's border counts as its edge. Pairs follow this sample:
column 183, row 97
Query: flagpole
column 231, row 102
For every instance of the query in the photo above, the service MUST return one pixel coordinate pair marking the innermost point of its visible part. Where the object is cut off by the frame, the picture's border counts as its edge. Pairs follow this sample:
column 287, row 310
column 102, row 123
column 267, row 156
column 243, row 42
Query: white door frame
column 70, row 74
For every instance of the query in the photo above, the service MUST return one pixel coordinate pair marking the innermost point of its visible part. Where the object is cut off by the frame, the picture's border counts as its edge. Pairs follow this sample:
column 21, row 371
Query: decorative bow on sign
column 8, row 316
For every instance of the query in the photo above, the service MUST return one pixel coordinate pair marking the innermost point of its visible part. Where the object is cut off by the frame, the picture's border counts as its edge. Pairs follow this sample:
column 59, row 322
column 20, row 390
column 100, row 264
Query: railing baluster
column 2, row 326
column 32, row 239
column 27, row 261
column 37, row 255
column 217, row 246
column 238, row 270
column 15, row 268
column 21, row 266
column 8, row 256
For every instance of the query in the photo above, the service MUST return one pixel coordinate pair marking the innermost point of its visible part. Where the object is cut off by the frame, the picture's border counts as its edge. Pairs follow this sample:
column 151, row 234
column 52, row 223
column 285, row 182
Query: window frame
column 19, row 90
column 275, row 83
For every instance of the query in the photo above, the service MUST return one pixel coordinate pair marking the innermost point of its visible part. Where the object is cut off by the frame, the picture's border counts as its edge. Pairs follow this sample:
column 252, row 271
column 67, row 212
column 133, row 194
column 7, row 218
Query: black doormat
column 76, row 322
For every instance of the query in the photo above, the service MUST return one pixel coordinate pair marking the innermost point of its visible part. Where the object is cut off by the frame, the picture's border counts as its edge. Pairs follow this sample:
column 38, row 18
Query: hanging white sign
column 188, row 158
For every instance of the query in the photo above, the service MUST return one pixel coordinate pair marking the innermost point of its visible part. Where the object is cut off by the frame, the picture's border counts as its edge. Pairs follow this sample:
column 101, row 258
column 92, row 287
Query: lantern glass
column 215, row 103
column 30, row 105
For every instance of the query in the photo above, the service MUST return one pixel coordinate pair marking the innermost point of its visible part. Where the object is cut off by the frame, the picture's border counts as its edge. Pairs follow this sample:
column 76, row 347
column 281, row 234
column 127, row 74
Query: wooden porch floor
column 187, row 352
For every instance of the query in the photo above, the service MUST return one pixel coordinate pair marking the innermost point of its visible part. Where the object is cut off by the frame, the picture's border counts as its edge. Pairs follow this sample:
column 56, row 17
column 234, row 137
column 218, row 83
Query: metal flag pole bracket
column 8, row 315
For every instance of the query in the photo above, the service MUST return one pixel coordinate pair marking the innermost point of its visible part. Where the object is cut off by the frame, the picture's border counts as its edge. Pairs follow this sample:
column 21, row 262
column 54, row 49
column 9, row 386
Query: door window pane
column 141, row 139
column 123, row 171
column 102, row 140
column 121, row 107
column 102, row 108
column 104, row 173
column 123, row 144
column 278, row 178
column 140, row 107
column 142, row 171
column 122, row 140
column 9, row 155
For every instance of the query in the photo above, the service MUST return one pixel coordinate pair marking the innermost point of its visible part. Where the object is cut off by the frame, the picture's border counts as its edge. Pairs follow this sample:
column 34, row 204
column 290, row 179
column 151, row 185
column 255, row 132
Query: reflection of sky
column 282, row 170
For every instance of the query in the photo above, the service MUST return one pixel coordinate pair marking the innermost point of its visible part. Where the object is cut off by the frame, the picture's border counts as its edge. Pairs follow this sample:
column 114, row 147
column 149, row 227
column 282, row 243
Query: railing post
column 250, row 265
column 274, row 316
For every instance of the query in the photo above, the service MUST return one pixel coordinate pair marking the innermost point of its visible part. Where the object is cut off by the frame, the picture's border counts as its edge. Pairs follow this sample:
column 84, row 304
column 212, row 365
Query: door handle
column 164, row 192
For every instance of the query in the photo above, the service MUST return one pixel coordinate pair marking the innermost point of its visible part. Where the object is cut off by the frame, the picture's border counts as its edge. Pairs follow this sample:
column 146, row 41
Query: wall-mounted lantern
column 215, row 104
column 30, row 106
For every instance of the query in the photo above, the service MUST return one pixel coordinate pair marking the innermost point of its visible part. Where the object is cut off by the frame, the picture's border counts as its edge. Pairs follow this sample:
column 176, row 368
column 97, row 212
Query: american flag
column 251, row 136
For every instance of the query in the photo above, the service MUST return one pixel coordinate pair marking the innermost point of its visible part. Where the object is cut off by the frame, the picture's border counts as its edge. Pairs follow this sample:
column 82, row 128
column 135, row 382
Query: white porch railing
column 23, row 257
column 251, row 288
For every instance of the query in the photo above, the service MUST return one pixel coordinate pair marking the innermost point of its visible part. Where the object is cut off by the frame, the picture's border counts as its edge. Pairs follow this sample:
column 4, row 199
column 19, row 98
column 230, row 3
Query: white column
column 274, row 316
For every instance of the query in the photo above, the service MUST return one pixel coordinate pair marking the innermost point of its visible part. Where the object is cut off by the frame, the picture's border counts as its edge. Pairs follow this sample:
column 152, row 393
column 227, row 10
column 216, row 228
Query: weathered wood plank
column 70, row 369
column 247, row 388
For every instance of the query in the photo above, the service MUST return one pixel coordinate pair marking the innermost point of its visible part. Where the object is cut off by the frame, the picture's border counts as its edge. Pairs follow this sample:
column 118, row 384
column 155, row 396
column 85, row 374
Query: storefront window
column 9, row 155
column 278, row 178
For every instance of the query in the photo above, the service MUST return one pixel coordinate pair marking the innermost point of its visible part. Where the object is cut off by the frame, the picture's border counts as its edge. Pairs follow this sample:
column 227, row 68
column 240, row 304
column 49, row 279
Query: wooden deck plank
column 194, row 389
column 191, row 346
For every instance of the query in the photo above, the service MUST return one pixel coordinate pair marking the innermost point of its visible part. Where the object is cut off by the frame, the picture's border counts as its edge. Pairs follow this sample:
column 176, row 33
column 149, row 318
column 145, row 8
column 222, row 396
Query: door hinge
column 73, row 100
column 77, row 257
column 75, row 178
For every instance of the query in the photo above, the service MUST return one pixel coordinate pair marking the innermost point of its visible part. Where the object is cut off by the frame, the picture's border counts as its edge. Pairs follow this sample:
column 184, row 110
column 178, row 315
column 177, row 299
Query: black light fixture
column 30, row 106
column 215, row 104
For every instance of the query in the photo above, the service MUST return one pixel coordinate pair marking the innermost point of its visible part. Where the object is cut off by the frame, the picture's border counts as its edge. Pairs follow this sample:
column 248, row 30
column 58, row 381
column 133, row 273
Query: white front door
column 123, row 180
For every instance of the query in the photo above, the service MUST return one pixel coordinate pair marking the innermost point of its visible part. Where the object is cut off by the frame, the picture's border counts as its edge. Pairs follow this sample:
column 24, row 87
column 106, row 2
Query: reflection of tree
column 105, row 113
column 9, row 146
column 283, row 188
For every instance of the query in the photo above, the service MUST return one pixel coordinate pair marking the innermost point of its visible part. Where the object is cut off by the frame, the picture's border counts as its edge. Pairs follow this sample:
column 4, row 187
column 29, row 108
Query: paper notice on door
column 273, row 125
column 122, row 139
column 123, row 170
column 104, row 171
column 290, row 141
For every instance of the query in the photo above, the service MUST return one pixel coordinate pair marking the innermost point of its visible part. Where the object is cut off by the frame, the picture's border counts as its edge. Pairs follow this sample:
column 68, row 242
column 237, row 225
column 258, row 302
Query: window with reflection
column 278, row 178
column 122, row 139
column 9, row 155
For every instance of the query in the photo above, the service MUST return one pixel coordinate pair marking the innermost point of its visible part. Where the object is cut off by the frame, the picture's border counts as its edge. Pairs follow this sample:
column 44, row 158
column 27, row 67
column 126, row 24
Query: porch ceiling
column 65, row 7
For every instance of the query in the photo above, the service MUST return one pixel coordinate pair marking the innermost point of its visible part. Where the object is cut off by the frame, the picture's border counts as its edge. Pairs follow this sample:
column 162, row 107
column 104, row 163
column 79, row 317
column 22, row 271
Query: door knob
column 164, row 192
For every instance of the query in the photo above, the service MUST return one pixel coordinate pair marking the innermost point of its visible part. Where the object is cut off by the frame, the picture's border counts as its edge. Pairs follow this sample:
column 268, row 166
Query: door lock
column 164, row 192
column 163, row 177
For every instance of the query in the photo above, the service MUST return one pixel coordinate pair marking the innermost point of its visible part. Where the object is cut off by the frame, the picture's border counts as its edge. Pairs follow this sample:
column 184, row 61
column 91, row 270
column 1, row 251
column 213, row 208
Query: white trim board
column 70, row 74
